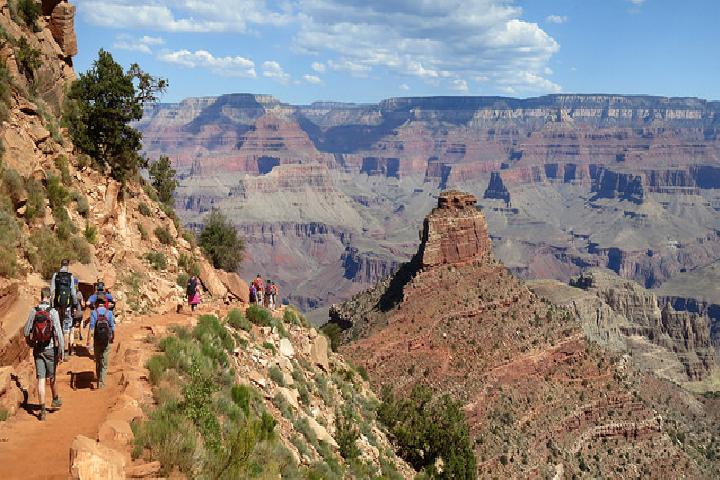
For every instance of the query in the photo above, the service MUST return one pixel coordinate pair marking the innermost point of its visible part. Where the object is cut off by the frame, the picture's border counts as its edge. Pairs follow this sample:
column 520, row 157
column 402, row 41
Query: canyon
column 567, row 182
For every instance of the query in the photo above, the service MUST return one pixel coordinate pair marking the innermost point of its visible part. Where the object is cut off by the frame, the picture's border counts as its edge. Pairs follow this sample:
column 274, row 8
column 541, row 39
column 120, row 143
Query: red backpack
column 42, row 329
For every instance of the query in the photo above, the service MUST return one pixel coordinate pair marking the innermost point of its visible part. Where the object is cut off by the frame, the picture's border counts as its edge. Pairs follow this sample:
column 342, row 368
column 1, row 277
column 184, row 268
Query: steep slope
column 624, row 317
column 540, row 398
column 55, row 204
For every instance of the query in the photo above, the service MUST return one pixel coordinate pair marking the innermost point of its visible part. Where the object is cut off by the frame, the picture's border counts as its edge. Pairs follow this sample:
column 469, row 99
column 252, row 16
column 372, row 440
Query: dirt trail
column 30, row 449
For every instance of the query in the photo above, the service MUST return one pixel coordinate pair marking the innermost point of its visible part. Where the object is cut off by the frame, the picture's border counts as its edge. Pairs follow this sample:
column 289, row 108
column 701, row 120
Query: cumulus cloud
column 182, row 15
column 312, row 79
column 556, row 19
column 319, row 67
column 143, row 44
column 274, row 71
column 460, row 85
column 404, row 87
column 431, row 39
column 226, row 66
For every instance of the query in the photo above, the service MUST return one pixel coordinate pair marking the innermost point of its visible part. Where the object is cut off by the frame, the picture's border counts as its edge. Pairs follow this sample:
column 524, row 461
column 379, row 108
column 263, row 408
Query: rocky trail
column 30, row 449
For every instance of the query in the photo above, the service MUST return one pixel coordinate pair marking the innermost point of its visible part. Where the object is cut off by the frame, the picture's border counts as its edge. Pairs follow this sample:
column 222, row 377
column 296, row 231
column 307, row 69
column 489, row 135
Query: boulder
column 143, row 470
column 10, row 394
column 91, row 460
column 321, row 433
column 290, row 396
column 286, row 349
column 235, row 285
column 211, row 281
column 319, row 352
column 115, row 432
column 62, row 26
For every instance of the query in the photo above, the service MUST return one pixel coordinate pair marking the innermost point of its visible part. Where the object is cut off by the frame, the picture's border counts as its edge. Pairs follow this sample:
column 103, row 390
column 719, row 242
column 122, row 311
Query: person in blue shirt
column 101, row 330
column 100, row 289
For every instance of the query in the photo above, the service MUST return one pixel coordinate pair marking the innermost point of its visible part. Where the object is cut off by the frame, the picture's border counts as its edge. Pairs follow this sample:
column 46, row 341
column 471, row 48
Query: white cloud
column 274, row 71
column 226, row 66
column 142, row 44
column 319, row 67
column 182, row 15
column 637, row 2
column 431, row 39
column 313, row 79
column 404, row 87
column 460, row 85
column 556, row 18
column 353, row 68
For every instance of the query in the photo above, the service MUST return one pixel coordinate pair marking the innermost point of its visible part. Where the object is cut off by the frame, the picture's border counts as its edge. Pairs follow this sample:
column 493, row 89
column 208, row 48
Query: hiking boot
column 43, row 414
column 56, row 403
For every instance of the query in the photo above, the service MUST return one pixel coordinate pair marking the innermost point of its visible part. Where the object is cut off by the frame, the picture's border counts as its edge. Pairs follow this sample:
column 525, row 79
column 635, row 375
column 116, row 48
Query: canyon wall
column 567, row 182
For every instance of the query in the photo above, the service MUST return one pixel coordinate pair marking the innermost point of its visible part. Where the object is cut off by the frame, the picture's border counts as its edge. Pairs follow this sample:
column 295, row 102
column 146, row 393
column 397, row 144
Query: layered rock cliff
column 629, row 183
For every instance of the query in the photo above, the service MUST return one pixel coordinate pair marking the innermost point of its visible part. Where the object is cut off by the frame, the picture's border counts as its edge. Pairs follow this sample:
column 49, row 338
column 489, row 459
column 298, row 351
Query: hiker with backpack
column 253, row 293
column 101, row 331
column 275, row 294
column 192, row 292
column 43, row 332
column 63, row 298
column 101, row 290
column 260, row 289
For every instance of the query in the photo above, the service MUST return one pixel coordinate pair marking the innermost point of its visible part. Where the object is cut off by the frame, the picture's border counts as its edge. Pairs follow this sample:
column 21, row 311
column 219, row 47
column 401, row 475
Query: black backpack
column 102, row 329
column 191, row 287
column 63, row 291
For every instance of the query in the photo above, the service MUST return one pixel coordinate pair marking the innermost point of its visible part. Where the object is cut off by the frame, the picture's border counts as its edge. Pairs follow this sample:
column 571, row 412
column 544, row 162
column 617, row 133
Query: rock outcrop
column 62, row 26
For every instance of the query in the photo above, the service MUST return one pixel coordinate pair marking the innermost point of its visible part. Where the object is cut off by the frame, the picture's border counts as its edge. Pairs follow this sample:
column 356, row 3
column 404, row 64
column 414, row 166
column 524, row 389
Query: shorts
column 67, row 324
column 45, row 363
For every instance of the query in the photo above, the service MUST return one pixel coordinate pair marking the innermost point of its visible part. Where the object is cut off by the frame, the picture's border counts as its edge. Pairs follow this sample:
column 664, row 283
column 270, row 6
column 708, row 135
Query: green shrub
column 132, row 282
column 270, row 346
column 61, row 163
column 83, row 207
column 57, row 195
column 220, row 242
column 150, row 192
column 163, row 179
column 259, row 316
column 157, row 260
column 25, row 12
column 276, row 375
column 8, row 262
column 9, row 230
column 236, row 319
column 213, row 429
column 91, row 234
column 50, row 248
column 170, row 212
column 35, row 206
column 190, row 238
column 347, row 434
column 4, row 414
column 426, row 429
column 164, row 236
column 27, row 58
column 5, row 89
column 182, row 279
column 144, row 209
column 143, row 233
column 292, row 317
column 334, row 334
column 189, row 264
column 14, row 185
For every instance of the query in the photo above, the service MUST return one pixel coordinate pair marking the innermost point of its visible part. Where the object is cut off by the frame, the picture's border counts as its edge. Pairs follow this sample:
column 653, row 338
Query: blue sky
column 364, row 51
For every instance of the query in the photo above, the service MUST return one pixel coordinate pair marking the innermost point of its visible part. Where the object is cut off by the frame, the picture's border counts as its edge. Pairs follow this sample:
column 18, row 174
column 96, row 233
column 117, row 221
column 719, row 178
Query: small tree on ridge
column 220, row 242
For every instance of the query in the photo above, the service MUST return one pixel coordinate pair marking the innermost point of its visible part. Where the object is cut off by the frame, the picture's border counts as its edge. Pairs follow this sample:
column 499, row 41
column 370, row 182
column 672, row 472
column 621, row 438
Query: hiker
column 77, row 318
column 101, row 331
column 193, row 292
column 42, row 332
column 63, row 298
column 275, row 295
column 260, row 288
column 253, row 293
column 101, row 290
column 269, row 296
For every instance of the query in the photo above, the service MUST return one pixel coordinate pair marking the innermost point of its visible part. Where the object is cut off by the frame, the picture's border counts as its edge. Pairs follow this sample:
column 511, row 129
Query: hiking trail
column 31, row 449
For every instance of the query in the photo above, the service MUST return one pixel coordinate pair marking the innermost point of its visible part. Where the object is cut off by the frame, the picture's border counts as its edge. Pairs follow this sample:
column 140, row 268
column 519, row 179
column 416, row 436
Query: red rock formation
column 455, row 232
column 62, row 26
